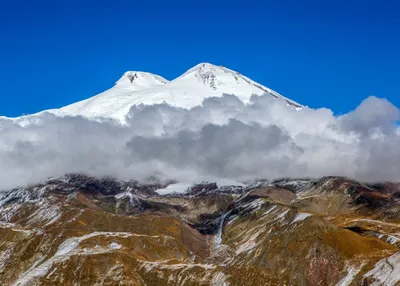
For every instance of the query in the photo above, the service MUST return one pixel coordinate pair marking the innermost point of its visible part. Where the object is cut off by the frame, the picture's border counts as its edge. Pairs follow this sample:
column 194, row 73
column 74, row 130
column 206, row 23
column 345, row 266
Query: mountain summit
column 186, row 91
column 140, row 80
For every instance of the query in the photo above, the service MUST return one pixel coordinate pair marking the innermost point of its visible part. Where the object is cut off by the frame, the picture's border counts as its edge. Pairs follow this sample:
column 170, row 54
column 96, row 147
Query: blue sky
column 319, row 53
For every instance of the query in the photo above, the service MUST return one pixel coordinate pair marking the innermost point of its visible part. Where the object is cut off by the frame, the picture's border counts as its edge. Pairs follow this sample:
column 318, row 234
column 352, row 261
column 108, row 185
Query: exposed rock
column 80, row 230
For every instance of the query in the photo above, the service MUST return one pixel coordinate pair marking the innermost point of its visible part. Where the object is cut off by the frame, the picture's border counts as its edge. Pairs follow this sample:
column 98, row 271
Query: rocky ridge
column 80, row 230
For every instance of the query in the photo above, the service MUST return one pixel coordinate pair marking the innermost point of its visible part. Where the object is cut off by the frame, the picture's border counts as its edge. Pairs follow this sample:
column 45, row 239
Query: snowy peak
column 211, row 75
column 202, row 68
column 187, row 91
column 222, row 79
column 140, row 79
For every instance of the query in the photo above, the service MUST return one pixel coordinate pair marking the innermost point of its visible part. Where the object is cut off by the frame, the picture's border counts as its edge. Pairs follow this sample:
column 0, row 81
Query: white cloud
column 222, row 139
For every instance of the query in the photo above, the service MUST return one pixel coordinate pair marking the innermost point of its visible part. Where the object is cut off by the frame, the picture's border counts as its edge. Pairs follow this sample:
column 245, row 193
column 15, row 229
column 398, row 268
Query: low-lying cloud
column 222, row 139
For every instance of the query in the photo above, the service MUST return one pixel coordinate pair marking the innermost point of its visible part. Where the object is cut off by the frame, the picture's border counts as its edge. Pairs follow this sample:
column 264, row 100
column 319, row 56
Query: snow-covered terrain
column 188, row 90
column 178, row 188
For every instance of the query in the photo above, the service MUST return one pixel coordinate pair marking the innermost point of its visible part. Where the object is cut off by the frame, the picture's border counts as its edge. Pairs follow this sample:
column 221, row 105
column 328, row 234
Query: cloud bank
column 222, row 139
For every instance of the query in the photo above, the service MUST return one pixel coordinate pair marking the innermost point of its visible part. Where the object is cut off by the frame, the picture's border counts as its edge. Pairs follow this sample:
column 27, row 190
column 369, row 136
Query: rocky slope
column 79, row 230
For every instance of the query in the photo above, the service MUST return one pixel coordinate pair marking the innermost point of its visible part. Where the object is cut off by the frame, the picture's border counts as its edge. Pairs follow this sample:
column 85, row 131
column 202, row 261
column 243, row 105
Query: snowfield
column 188, row 90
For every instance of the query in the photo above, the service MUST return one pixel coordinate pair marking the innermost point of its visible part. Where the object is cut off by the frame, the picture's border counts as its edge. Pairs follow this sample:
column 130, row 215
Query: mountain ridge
column 102, row 231
column 186, row 91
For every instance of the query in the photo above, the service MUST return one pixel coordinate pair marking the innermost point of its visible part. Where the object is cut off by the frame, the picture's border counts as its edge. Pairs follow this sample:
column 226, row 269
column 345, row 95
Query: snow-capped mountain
column 188, row 90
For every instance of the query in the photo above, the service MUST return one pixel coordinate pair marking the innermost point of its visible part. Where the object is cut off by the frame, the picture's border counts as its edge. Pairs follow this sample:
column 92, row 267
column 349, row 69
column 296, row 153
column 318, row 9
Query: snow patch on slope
column 352, row 272
column 250, row 243
column 301, row 216
column 386, row 272
column 219, row 279
column 392, row 239
column 65, row 250
column 178, row 188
